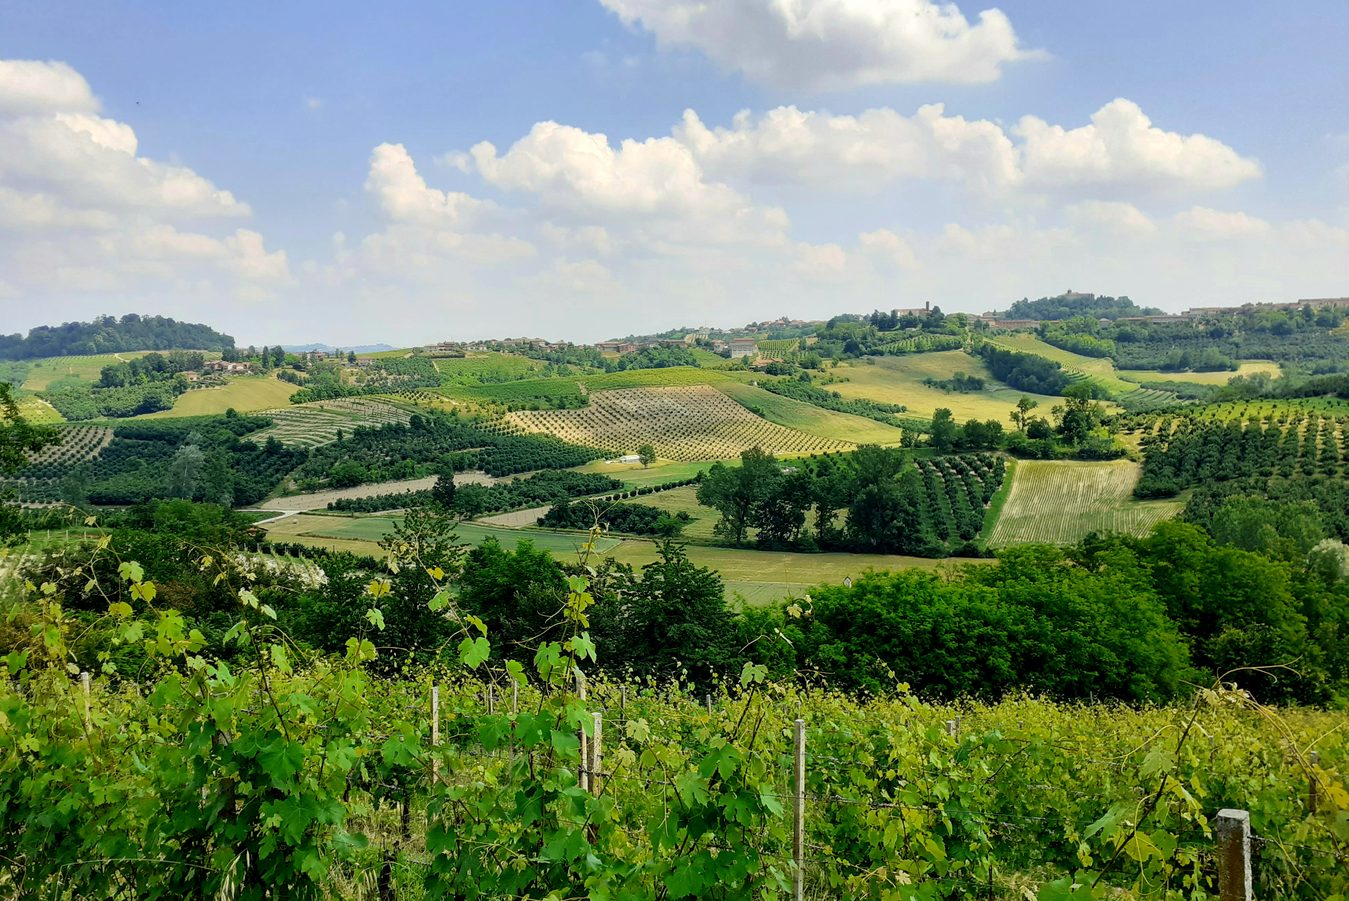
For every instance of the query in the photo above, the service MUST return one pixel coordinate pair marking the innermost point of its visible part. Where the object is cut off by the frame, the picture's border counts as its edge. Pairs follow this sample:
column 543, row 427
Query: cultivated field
column 759, row 576
column 38, row 411
column 245, row 394
column 795, row 414
column 317, row 423
column 77, row 444
column 899, row 380
column 42, row 372
column 487, row 367
column 1246, row 367
column 693, row 423
column 685, row 500
column 1053, row 502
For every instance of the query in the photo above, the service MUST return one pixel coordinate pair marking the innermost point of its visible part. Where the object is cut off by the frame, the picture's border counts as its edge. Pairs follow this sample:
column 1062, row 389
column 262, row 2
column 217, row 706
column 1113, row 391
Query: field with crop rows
column 38, row 411
column 1269, row 410
column 244, row 394
column 1245, row 367
column 317, row 423
column 795, row 414
column 1059, row 502
column 635, row 475
column 899, row 380
column 693, row 423
column 486, row 367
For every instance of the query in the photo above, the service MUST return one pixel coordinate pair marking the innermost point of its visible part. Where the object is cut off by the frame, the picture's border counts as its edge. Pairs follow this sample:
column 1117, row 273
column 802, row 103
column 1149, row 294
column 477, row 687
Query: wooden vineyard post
column 1312, row 801
column 491, row 698
column 623, row 706
column 799, row 814
column 584, row 774
column 515, row 697
column 84, row 687
column 951, row 727
column 435, row 732
column 708, row 699
column 1233, row 828
column 596, row 754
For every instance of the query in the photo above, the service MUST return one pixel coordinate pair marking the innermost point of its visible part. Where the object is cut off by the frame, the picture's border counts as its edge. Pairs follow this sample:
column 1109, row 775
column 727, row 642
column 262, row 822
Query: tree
column 1078, row 416
column 1021, row 415
column 736, row 492
column 184, row 470
column 443, row 491
column 945, row 432
column 647, row 454
column 782, row 514
column 351, row 357
column 18, row 437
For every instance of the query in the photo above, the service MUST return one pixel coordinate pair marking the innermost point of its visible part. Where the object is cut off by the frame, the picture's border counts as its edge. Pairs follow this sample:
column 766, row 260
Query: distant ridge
column 330, row 348
column 107, row 334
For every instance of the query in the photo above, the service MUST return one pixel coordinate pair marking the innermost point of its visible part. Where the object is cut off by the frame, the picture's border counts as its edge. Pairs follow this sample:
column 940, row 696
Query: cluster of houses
column 736, row 347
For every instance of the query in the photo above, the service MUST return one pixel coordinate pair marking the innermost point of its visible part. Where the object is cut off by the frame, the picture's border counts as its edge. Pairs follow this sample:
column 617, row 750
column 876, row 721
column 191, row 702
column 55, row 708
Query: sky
column 407, row 172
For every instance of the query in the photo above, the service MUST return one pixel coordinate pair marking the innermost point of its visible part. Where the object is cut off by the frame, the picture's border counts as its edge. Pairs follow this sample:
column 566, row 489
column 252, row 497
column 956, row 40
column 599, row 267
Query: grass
column 1246, row 367
column 1054, row 502
column 998, row 501
column 685, row 500
column 690, row 423
column 634, row 475
column 38, row 411
column 795, row 414
column 899, row 380
column 759, row 576
column 45, row 370
column 245, row 393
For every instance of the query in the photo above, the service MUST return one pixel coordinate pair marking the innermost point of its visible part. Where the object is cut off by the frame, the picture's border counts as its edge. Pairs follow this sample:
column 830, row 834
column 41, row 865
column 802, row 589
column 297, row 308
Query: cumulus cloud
column 1118, row 150
column 404, row 196
column 834, row 44
column 883, row 244
column 655, row 187
column 83, row 210
column 32, row 86
column 1121, row 145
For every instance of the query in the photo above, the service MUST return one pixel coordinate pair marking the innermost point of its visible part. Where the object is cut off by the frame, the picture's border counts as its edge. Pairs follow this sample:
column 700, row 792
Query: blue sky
column 307, row 172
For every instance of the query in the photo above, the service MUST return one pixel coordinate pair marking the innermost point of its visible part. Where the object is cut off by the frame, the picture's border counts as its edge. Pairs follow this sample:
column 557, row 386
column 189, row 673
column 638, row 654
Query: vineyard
column 317, row 423
column 920, row 344
column 690, row 423
column 311, row 778
column 1060, row 502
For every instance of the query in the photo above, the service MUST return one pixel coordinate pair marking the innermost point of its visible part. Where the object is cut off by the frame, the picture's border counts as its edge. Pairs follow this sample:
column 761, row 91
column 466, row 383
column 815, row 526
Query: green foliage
column 634, row 519
column 1068, row 306
column 109, row 335
column 1024, row 372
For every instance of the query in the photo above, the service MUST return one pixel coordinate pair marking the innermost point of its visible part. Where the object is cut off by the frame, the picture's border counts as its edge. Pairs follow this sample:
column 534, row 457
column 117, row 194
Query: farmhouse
column 924, row 310
column 221, row 366
column 744, row 347
column 616, row 347
column 444, row 349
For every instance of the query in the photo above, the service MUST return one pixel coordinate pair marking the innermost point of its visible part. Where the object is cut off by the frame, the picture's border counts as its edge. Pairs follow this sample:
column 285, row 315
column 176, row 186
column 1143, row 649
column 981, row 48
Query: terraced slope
column 696, row 422
column 317, row 423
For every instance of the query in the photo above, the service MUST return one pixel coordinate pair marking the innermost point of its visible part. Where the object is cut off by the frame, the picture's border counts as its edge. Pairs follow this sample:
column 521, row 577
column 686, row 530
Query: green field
column 1060, row 502
column 1246, row 367
column 795, row 414
column 759, row 576
column 37, row 410
column 486, row 367
column 42, row 372
column 245, row 394
column 899, row 380
column 1122, row 381
column 634, row 475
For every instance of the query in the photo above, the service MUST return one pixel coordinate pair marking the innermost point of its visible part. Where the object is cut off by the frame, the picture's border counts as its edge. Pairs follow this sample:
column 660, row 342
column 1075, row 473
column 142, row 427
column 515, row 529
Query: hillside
column 107, row 335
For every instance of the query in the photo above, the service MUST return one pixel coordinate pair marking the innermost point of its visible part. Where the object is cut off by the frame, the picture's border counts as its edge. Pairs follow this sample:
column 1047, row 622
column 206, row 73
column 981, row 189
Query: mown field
column 1122, row 381
column 1060, row 502
column 35, row 409
column 759, row 576
column 899, row 380
column 42, row 372
column 795, row 414
column 245, row 394
column 485, row 367
column 686, row 424
column 635, row 475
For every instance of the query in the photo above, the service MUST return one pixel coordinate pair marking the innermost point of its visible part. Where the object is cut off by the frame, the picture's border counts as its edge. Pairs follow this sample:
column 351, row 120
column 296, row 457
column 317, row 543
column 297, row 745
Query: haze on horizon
column 589, row 169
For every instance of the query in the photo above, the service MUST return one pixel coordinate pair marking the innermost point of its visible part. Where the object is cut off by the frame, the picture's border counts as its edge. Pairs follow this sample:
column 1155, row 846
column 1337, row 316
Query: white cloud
column 834, row 44
column 1114, row 217
column 883, row 244
column 821, row 260
column 1122, row 146
column 33, row 86
column 654, row 187
column 1120, row 150
column 83, row 212
column 1216, row 225
column 404, row 195
column 788, row 145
